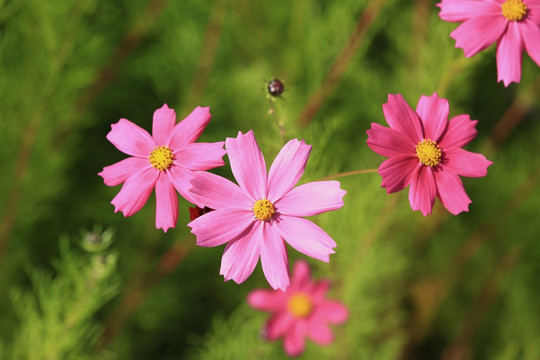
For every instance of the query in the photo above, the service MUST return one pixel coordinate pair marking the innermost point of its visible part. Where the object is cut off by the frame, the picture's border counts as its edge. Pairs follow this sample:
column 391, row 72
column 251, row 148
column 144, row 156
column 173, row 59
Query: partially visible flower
column 513, row 24
column 165, row 161
column 425, row 152
column 256, row 217
column 299, row 312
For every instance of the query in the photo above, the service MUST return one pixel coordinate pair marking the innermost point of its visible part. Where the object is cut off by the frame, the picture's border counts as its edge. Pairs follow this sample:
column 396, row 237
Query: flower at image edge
column 299, row 312
column 513, row 24
column 165, row 161
column 258, row 215
column 424, row 151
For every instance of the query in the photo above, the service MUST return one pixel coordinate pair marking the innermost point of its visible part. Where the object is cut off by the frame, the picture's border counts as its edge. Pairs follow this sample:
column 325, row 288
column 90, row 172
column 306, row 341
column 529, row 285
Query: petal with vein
column 397, row 172
column 241, row 255
column 509, row 55
column 166, row 203
column 220, row 226
column 433, row 112
column 451, row 191
column 116, row 174
column 274, row 260
column 131, row 139
column 188, row 130
column 423, row 190
column 466, row 163
column 479, row 32
column 389, row 142
column 200, row 156
column 311, row 199
column 217, row 192
column 462, row 10
column 461, row 130
column 163, row 124
column 402, row 118
column 135, row 191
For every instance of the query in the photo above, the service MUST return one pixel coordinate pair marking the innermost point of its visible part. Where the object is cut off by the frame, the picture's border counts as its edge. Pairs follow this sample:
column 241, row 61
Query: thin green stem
column 279, row 124
column 348, row 173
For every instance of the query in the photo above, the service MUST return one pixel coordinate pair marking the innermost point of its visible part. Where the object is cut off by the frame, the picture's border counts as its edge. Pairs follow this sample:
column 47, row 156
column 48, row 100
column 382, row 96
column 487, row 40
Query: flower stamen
column 428, row 152
column 263, row 209
column 299, row 305
column 161, row 158
column 514, row 10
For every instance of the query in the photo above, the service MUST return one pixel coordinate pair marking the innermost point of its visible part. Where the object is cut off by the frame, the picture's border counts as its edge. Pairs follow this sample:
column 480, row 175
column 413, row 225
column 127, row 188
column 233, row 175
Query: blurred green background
column 78, row 281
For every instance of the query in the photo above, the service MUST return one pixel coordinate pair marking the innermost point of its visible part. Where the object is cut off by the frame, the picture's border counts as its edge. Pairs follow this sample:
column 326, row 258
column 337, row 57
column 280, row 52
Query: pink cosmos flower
column 165, row 161
column 513, row 24
column 256, row 217
column 424, row 151
column 299, row 312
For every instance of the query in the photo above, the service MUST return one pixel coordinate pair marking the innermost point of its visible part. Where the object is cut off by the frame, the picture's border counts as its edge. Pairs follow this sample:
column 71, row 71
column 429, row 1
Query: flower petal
column 241, row 256
column 301, row 276
column 200, row 156
column 319, row 332
column 306, row 237
column 116, row 174
column 135, row 191
column 181, row 179
column 287, row 168
column 461, row 130
column 247, row 164
column 216, row 192
column 509, row 55
column 388, row 142
column 433, row 112
column 462, row 10
column 402, row 118
column 319, row 290
column 188, row 130
column 274, row 260
column 466, row 163
column 311, row 199
column 131, row 139
column 166, row 203
column 531, row 38
column 294, row 342
column 423, row 190
column 163, row 124
column 397, row 172
column 451, row 191
column 332, row 311
column 267, row 300
column 279, row 325
column 533, row 12
column 479, row 32
column 220, row 226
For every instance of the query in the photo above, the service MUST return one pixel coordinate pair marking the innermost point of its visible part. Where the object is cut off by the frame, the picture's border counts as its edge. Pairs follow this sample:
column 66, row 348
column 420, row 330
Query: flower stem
column 348, row 173
column 279, row 124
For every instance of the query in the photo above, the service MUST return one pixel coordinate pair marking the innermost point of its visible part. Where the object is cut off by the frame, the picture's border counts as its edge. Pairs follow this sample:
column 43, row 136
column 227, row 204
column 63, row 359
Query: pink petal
column 163, row 124
column 200, row 156
column 241, row 255
column 533, row 12
column 331, row 311
column 267, row 300
column 135, row 191
column 188, row 130
column 509, row 54
column 220, row 226
column 433, row 112
column 466, row 163
column 166, row 203
column 397, row 171
column 306, row 237
column 389, row 142
column 301, row 276
column 279, row 325
column 311, row 199
column 479, row 32
column 451, row 191
column 319, row 332
column 531, row 38
column 319, row 290
column 461, row 130
column 118, row 173
column 216, row 192
column 247, row 164
column 402, row 118
column 275, row 263
column 287, row 168
column 461, row 10
column 181, row 179
column 131, row 139
column 423, row 190
column 294, row 342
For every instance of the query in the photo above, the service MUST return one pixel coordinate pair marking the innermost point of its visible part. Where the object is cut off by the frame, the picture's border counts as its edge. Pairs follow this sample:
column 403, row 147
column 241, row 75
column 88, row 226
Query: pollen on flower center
column 300, row 305
column 161, row 158
column 428, row 152
column 263, row 209
column 514, row 10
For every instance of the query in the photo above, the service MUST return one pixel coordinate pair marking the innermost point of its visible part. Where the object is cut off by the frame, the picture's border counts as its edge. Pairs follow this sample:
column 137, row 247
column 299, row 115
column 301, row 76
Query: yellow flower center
column 300, row 305
column 428, row 152
column 514, row 10
column 263, row 209
column 161, row 158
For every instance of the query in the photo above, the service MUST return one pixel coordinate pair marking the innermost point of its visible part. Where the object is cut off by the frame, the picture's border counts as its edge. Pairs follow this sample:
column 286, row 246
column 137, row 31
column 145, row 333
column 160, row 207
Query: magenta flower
column 256, row 217
column 299, row 312
column 165, row 161
column 513, row 24
column 424, row 151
